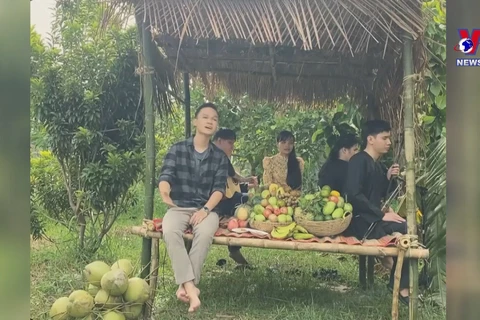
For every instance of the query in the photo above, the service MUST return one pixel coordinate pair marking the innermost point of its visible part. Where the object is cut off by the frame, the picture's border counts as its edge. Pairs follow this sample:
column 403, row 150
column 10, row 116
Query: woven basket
column 267, row 226
column 326, row 228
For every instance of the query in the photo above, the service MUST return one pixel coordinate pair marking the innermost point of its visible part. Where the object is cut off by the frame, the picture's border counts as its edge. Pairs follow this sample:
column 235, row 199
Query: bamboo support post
column 153, row 279
column 188, row 117
column 419, row 253
column 408, row 102
column 403, row 244
column 146, row 72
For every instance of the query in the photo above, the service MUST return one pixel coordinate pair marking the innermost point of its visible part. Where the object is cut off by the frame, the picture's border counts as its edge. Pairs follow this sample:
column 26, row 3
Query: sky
column 41, row 15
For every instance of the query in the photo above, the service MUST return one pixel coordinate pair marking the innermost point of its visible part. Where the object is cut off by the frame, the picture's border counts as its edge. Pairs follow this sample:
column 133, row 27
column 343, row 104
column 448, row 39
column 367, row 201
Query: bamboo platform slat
column 418, row 253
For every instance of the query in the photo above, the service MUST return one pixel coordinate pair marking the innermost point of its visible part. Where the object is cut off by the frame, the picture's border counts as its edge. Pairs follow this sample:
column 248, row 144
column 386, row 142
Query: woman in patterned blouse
column 284, row 168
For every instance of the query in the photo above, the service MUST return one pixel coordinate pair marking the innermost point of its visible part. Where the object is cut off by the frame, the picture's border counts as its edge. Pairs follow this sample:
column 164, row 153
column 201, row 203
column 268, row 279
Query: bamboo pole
column 147, row 77
column 153, row 279
column 188, row 117
column 418, row 253
column 408, row 102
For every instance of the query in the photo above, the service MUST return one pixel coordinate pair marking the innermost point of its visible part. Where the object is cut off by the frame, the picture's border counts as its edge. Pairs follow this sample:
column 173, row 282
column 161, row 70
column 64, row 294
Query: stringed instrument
column 232, row 187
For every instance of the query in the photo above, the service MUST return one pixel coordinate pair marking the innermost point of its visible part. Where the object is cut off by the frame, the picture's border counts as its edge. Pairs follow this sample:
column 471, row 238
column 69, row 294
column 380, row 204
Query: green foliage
column 434, row 116
column 87, row 100
column 48, row 188
column 435, row 180
column 257, row 125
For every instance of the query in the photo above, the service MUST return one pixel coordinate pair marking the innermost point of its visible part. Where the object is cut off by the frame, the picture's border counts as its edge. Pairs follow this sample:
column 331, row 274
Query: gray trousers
column 187, row 266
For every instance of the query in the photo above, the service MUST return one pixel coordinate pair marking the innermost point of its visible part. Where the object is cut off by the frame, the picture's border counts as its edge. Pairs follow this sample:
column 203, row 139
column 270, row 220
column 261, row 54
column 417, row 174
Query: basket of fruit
column 272, row 207
column 324, row 213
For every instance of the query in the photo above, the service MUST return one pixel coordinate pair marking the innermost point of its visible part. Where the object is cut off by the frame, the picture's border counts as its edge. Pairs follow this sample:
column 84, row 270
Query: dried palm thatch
column 309, row 51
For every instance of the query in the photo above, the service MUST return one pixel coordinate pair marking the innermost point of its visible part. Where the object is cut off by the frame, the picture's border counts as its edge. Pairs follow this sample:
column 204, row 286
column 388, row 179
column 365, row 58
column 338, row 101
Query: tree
column 87, row 98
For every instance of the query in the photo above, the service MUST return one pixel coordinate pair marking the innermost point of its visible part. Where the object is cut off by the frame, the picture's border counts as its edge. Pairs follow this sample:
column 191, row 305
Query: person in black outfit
column 225, row 140
column 366, row 186
column 334, row 171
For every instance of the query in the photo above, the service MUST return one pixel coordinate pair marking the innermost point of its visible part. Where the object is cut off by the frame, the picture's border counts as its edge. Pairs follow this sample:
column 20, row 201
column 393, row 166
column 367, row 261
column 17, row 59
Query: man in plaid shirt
column 192, row 182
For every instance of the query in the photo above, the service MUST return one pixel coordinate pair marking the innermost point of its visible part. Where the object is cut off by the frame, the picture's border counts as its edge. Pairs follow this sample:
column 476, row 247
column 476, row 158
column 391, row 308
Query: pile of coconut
column 111, row 294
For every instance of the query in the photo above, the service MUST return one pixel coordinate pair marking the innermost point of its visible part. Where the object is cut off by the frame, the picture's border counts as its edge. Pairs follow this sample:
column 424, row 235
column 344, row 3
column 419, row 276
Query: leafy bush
column 87, row 101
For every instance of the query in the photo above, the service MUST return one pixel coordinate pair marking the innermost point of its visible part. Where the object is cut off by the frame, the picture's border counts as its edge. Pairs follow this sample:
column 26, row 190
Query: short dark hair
column 374, row 127
column 206, row 105
column 225, row 134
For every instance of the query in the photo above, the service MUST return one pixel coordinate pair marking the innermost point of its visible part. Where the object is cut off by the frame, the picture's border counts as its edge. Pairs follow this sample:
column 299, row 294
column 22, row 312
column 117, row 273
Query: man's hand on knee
column 198, row 217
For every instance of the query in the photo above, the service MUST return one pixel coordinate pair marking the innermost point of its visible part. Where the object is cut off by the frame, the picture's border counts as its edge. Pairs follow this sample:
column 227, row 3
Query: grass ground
column 281, row 286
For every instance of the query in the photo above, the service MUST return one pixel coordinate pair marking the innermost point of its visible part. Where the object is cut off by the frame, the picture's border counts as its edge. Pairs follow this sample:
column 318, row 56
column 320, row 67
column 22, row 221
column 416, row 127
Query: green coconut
column 113, row 315
column 94, row 272
column 115, row 282
column 132, row 312
column 58, row 311
column 106, row 301
column 80, row 304
column 137, row 291
column 93, row 290
column 124, row 264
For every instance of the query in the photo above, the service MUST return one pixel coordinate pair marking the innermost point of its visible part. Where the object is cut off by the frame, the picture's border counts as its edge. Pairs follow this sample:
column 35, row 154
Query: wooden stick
column 396, row 284
column 418, row 253
column 153, row 279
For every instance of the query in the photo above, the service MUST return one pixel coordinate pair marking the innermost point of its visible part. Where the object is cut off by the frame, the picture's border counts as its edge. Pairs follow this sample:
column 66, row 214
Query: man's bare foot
column 182, row 294
column 194, row 304
column 192, row 293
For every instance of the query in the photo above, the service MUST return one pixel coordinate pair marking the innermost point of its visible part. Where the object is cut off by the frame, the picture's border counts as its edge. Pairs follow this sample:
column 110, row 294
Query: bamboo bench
column 366, row 253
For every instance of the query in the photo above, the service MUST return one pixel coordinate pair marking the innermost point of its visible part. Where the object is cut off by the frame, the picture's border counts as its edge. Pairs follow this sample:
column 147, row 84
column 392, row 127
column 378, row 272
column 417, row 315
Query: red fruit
column 232, row 224
column 283, row 210
column 333, row 199
column 266, row 213
column 269, row 207
column 277, row 212
column 242, row 224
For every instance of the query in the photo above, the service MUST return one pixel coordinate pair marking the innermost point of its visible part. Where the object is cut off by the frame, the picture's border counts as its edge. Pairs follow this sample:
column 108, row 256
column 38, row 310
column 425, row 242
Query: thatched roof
column 310, row 51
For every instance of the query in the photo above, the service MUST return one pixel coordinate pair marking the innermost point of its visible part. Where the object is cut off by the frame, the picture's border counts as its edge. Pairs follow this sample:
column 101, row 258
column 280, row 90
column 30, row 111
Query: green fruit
column 258, row 209
column 329, row 208
column 282, row 218
column 337, row 213
column 324, row 193
column 327, row 188
column 289, row 218
column 341, row 202
column 260, row 218
column 272, row 201
column 328, row 218
column 348, row 207
column 319, row 217
column 265, row 194
column 290, row 211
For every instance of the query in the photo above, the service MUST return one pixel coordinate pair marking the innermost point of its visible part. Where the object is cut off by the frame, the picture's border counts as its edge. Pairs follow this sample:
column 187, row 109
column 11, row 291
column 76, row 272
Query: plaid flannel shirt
column 192, row 186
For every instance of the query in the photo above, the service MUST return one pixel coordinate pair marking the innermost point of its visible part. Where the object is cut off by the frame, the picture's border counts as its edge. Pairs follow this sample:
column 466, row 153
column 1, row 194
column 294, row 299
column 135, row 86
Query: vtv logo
column 468, row 42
